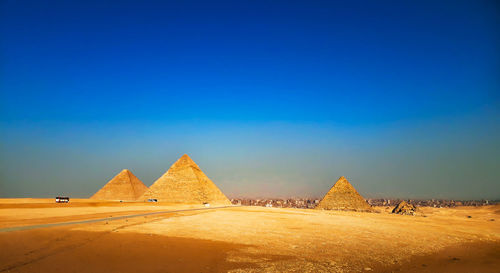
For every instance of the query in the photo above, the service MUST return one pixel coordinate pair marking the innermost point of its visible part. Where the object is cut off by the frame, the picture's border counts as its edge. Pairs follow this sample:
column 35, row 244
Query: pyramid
column 124, row 186
column 343, row 196
column 185, row 183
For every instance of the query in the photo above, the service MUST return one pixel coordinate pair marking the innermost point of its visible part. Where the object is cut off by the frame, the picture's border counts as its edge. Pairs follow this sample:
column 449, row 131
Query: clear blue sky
column 270, row 98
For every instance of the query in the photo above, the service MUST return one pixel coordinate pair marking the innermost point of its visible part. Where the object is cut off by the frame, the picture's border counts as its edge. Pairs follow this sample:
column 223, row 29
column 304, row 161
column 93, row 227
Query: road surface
column 9, row 229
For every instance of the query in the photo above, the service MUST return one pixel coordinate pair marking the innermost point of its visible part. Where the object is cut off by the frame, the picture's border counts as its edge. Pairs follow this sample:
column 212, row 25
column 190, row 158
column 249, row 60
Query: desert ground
column 100, row 236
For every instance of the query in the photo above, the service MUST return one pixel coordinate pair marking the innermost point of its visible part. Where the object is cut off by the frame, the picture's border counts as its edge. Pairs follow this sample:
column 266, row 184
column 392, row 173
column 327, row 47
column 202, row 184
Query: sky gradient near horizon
column 269, row 98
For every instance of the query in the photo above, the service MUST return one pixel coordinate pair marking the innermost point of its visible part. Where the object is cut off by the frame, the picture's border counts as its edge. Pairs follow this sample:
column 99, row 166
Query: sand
column 252, row 239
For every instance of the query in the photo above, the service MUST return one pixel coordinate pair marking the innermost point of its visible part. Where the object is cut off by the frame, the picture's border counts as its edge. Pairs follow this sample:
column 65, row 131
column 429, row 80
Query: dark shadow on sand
column 59, row 249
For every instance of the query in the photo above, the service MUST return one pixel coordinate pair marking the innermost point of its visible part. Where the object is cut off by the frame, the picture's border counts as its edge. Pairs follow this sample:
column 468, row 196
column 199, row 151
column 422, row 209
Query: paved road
column 9, row 229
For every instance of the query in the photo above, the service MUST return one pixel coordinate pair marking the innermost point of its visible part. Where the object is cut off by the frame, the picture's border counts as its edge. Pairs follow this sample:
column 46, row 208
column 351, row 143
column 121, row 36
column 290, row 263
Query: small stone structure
column 405, row 209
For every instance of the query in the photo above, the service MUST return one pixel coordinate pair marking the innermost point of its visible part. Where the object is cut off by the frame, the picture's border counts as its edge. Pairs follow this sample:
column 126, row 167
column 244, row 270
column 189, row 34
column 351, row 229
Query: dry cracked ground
column 243, row 239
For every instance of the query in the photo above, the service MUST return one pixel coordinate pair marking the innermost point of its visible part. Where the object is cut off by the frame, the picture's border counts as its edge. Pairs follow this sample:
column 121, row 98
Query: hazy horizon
column 270, row 99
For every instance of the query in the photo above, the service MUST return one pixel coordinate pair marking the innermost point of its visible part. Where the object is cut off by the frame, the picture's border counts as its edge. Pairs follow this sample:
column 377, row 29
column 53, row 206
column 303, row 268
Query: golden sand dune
column 254, row 239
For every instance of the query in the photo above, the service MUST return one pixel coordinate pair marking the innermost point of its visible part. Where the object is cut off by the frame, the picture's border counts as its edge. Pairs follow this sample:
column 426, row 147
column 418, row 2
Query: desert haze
column 184, row 223
column 187, row 238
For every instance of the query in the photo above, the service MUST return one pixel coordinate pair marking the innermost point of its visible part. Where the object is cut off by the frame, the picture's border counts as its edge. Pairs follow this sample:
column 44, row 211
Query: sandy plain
column 244, row 239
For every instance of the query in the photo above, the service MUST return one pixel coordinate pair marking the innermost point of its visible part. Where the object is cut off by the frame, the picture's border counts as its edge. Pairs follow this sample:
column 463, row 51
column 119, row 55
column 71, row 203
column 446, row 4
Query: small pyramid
column 185, row 183
column 124, row 186
column 343, row 196
column 405, row 209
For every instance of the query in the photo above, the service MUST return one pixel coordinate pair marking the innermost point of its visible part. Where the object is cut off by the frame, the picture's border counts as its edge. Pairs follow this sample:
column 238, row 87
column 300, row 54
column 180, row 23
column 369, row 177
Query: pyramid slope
column 124, row 186
column 343, row 196
column 185, row 183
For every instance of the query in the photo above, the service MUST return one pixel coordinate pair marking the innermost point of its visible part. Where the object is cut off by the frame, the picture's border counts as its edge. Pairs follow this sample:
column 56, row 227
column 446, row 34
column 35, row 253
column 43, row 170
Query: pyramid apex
column 185, row 159
column 126, row 171
column 343, row 184
column 343, row 180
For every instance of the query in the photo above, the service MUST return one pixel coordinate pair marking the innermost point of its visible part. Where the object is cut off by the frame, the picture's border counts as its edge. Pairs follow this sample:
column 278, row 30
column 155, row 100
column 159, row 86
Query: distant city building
column 310, row 203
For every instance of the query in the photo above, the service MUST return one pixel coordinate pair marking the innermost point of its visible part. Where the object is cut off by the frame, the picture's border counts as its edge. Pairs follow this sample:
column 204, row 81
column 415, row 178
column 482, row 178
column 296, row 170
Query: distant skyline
column 270, row 99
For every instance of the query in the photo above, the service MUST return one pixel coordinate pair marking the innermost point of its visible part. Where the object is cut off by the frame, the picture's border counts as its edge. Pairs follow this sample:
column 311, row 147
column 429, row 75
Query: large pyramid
column 185, row 183
column 343, row 196
column 124, row 186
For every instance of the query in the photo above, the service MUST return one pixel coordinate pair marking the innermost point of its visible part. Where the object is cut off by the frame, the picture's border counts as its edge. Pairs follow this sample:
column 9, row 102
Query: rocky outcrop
column 405, row 209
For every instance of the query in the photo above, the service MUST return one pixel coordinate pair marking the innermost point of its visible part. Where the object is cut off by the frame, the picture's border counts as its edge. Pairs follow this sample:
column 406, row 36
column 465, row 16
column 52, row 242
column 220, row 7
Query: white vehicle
column 61, row 199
